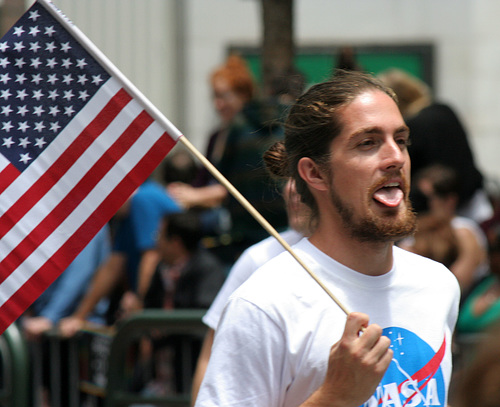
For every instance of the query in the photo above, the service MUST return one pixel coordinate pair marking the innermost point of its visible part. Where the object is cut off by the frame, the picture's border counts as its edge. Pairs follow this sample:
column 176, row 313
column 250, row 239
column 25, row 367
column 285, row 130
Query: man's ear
column 310, row 172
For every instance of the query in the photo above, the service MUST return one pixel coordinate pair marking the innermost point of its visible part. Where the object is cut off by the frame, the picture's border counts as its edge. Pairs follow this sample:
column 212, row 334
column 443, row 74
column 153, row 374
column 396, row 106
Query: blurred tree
column 278, row 48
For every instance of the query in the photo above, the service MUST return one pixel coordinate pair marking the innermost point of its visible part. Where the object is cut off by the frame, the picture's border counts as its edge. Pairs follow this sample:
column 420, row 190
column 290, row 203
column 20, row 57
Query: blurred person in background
column 481, row 309
column 440, row 185
column 438, row 137
column 187, row 277
column 126, row 274
column 478, row 385
column 435, row 238
column 235, row 148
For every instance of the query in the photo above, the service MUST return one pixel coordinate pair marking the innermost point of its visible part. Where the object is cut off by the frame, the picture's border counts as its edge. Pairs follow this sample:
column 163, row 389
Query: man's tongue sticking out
column 390, row 196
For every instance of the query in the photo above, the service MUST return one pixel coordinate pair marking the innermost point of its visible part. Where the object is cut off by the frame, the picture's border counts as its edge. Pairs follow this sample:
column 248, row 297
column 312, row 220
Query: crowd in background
column 174, row 242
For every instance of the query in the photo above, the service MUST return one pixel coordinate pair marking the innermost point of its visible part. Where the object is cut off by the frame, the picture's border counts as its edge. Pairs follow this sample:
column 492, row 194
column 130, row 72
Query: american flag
column 76, row 140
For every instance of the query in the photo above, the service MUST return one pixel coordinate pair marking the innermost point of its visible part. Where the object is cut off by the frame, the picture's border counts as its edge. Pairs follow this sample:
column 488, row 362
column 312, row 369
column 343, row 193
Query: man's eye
column 367, row 143
column 404, row 142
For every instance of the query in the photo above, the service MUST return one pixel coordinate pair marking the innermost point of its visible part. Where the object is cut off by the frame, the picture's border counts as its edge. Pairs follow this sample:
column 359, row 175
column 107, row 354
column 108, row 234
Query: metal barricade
column 178, row 322
column 15, row 371
column 94, row 367
column 64, row 371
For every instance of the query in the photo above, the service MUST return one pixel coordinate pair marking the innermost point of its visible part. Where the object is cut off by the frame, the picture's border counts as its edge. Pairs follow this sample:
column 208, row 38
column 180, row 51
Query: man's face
column 370, row 170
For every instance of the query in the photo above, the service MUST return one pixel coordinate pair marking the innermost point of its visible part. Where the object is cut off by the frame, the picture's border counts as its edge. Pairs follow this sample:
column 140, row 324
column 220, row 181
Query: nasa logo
column 414, row 377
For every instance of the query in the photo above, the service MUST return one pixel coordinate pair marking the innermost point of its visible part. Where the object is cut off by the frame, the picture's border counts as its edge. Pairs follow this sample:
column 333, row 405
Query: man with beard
column 346, row 148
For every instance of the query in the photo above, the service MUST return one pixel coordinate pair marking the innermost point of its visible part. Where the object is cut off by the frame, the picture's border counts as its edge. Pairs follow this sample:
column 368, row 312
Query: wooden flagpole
column 177, row 135
column 265, row 224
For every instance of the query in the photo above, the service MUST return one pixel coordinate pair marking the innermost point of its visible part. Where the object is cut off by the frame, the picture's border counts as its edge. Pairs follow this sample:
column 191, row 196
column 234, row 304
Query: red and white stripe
column 52, row 210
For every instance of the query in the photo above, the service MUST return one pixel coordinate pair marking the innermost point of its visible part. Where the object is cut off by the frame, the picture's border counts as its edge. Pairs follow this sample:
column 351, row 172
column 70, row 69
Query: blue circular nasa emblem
column 414, row 377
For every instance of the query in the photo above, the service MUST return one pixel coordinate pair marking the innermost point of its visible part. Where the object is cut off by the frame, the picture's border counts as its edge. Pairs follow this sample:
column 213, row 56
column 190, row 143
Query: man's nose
column 394, row 155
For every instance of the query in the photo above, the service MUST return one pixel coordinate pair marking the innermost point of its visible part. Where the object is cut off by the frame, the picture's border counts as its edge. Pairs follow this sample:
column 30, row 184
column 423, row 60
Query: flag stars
column 65, row 47
column 38, row 110
column 25, row 158
column 69, row 111
column 34, row 31
column 54, row 126
column 34, row 15
column 80, row 63
column 24, row 142
column 6, row 110
column 7, row 142
column 4, row 78
column 35, row 46
column 53, row 94
column 5, row 94
column 51, row 63
column 35, row 62
column 22, row 110
column 82, row 79
column 37, row 94
column 96, row 79
column 68, row 95
column 40, row 142
column 19, row 46
column 84, row 95
column 7, row 126
column 20, row 62
column 66, row 63
column 52, row 78
column 4, row 62
column 36, row 79
column 50, row 31
column 67, row 79
column 4, row 46
column 19, row 31
column 54, row 110
column 50, row 47
column 21, row 94
column 39, row 126
column 21, row 78
column 23, row 126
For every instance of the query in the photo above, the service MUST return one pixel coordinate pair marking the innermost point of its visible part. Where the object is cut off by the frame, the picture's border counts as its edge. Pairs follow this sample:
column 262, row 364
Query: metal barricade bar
column 178, row 322
column 15, row 368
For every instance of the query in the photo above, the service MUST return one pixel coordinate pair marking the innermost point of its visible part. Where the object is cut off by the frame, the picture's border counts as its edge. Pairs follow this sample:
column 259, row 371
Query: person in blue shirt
column 134, row 256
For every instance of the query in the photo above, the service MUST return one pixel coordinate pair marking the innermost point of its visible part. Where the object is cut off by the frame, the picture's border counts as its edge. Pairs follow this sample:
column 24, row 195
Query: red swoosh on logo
column 426, row 372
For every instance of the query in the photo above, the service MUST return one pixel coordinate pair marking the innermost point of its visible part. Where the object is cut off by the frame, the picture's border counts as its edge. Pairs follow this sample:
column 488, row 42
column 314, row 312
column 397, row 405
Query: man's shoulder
column 270, row 247
column 422, row 267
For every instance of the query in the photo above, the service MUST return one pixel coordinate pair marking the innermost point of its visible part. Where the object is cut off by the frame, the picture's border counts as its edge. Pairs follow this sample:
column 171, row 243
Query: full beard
column 374, row 228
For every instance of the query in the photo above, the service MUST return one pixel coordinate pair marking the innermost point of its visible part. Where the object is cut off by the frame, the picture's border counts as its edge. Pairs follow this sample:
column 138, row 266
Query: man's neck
column 369, row 258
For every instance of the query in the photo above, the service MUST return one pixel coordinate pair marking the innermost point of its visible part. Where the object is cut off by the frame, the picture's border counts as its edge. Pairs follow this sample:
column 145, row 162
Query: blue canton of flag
column 45, row 79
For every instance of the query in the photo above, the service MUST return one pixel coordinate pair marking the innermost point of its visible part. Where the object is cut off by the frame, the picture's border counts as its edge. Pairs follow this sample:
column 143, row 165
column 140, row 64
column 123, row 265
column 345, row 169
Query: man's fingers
column 356, row 323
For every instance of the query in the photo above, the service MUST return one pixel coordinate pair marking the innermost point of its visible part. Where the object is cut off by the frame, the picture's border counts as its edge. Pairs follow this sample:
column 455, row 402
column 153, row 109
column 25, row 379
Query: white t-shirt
column 272, row 345
column 249, row 261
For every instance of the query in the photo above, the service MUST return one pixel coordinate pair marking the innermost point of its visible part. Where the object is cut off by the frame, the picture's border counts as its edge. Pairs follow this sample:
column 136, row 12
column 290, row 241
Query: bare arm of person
column 188, row 196
column 105, row 279
column 356, row 365
column 470, row 256
column 147, row 266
